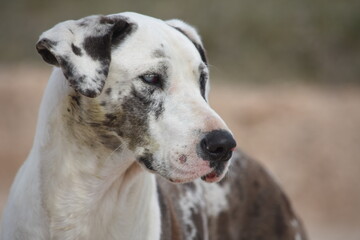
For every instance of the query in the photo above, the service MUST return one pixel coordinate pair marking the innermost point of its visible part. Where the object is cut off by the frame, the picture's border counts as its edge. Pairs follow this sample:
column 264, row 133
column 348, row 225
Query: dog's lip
column 213, row 176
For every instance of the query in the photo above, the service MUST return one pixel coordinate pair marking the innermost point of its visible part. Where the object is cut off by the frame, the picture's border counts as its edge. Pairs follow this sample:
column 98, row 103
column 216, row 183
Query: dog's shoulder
column 246, row 204
column 258, row 207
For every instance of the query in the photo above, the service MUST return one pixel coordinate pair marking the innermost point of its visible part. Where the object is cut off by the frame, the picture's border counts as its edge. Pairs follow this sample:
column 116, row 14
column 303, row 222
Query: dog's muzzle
column 216, row 147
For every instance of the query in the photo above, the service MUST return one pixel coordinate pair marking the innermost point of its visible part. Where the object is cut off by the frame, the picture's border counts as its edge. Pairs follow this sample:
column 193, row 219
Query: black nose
column 217, row 145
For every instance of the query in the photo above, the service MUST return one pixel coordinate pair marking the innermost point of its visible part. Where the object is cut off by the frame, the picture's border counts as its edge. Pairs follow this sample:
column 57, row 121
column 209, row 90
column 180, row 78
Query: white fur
column 61, row 193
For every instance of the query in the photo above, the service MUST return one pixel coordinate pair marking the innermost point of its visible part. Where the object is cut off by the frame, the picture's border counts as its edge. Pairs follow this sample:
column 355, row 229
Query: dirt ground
column 308, row 136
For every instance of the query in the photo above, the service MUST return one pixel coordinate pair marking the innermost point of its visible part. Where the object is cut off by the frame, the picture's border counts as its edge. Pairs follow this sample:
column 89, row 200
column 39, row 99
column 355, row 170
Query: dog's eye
column 153, row 79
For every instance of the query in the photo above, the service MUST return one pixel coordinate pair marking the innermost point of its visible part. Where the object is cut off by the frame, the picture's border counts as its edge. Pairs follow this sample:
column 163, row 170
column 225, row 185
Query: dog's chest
column 126, row 211
column 186, row 209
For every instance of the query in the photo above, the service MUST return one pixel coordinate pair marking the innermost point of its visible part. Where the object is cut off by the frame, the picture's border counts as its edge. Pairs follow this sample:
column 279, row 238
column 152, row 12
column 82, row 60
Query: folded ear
column 191, row 33
column 82, row 49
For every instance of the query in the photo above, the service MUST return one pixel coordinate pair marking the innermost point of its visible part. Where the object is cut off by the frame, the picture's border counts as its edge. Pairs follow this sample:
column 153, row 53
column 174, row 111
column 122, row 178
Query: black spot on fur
column 103, row 103
column 68, row 69
column 147, row 160
column 90, row 93
column 98, row 48
column 108, row 91
column 103, row 71
column 197, row 46
column 81, row 79
column 159, row 53
column 76, row 50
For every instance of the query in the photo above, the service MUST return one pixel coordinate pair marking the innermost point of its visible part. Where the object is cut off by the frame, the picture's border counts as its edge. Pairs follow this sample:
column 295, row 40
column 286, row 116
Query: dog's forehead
column 155, row 38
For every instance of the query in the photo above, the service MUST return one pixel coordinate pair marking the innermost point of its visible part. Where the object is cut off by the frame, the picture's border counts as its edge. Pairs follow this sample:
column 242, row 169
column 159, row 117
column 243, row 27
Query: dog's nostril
column 217, row 145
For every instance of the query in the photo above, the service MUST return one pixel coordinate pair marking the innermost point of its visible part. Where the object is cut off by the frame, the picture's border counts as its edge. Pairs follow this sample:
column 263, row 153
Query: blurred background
column 285, row 77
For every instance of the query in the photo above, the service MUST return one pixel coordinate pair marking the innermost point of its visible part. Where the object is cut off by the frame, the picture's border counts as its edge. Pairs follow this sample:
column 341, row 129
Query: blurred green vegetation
column 246, row 40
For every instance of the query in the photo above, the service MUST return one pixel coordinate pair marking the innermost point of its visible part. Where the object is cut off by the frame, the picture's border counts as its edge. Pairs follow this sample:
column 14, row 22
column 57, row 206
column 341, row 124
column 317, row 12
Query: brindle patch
column 136, row 108
column 279, row 223
column 85, row 120
column 130, row 120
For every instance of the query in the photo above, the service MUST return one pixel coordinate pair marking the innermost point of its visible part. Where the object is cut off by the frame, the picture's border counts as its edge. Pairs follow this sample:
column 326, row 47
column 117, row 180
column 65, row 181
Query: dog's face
column 142, row 84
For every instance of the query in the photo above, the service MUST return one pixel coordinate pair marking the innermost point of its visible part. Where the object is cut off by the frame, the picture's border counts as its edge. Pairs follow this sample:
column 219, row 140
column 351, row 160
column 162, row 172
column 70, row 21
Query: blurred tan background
column 286, row 79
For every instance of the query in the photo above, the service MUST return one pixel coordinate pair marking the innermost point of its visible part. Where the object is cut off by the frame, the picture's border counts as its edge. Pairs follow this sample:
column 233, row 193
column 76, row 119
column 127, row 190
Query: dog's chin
column 214, row 175
column 209, row 172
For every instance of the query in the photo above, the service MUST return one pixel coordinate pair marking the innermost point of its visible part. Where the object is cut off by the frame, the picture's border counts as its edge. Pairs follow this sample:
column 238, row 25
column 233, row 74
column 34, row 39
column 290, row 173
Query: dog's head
column 141, row 84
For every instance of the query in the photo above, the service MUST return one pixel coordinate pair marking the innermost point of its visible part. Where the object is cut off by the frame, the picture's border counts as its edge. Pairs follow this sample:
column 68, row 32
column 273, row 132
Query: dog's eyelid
column 152, row 79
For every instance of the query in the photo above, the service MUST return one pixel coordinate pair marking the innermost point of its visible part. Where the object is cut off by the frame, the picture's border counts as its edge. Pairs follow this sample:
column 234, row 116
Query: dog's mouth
column 216, row 174
column 211, row 177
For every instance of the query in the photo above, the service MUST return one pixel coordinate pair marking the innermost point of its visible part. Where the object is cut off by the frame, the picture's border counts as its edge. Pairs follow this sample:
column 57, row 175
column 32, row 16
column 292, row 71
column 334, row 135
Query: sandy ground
column 308, row 136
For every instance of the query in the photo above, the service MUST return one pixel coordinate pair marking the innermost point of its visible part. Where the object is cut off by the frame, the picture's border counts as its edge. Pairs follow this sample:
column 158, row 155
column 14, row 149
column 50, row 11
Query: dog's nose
column 217, row 145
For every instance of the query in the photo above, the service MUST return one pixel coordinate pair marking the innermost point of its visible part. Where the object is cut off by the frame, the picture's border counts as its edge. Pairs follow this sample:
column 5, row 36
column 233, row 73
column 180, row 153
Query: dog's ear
column 190, row 32
column 82, row 49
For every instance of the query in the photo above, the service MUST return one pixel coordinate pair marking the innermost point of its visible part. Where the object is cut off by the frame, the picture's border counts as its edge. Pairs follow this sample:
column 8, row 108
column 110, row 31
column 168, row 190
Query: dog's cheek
column 137, row 107
column 130, row 114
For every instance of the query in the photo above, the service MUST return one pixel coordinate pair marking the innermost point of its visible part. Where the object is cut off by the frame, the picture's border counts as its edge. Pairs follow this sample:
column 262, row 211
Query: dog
column 124, row 117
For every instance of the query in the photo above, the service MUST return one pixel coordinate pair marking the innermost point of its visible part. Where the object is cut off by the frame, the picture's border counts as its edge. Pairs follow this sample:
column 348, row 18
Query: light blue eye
column 152, row 79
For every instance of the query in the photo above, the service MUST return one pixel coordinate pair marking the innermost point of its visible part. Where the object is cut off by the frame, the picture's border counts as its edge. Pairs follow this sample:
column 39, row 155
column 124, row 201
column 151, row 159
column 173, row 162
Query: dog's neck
column 91, row 193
